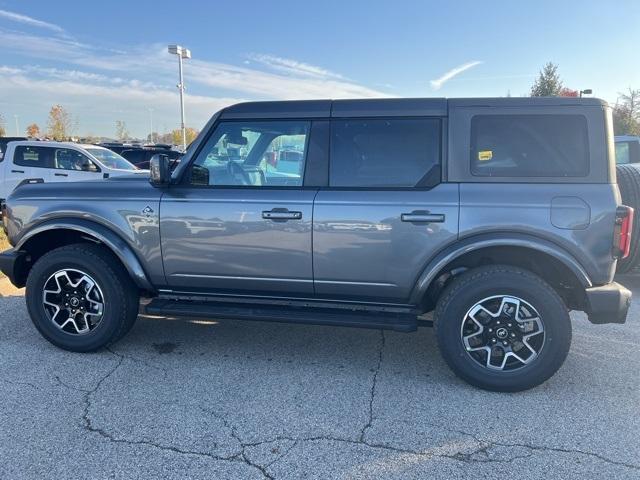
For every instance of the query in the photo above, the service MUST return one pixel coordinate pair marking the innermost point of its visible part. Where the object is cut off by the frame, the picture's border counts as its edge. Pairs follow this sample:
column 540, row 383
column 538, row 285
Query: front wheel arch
column 52, row 234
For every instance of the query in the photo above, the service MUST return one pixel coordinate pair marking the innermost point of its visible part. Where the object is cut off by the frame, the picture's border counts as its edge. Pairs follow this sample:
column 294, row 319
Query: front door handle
column 281, row 214
column 17, row 171
column 422, row 217
column 61, row 174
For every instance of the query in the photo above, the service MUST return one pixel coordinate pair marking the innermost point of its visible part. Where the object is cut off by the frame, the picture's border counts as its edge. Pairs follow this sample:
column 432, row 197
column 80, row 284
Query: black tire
column 629, row 185
column 121, row 297
column 471, row 287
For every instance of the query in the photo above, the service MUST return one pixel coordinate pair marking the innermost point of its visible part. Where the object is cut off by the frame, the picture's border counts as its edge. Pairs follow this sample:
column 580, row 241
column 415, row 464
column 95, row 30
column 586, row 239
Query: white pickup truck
column 35, row 162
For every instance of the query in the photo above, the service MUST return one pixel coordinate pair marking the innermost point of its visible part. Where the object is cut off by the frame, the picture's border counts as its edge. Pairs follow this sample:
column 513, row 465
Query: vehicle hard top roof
column 395, row 107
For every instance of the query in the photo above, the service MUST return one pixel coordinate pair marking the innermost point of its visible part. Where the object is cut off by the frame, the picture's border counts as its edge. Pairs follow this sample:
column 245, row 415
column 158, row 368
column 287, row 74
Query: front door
column 240, row 219
column 71, row 165
column 385, row 213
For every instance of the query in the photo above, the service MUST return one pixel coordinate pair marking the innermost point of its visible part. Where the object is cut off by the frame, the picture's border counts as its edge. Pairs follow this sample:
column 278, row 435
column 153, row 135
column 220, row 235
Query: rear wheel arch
column 547, row 260
column 49, row 235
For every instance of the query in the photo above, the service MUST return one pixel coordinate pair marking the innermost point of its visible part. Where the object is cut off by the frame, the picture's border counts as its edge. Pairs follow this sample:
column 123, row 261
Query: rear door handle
column 17, row 171
column 61, row 174
column 422, row 217
column 281, row 214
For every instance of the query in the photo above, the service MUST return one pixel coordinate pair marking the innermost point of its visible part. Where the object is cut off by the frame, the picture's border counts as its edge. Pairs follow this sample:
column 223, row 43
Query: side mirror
column 159, row 174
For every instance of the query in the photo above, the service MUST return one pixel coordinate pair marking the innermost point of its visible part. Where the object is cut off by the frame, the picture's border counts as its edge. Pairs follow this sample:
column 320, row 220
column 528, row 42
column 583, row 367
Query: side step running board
column 402, row 322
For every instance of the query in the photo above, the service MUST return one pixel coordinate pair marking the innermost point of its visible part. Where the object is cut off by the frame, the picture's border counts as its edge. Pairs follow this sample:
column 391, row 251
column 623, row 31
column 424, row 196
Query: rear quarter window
column 529, row 146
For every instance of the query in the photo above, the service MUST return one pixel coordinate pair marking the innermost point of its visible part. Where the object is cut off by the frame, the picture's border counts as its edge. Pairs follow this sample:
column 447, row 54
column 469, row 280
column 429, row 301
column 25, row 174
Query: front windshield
column 111, row 159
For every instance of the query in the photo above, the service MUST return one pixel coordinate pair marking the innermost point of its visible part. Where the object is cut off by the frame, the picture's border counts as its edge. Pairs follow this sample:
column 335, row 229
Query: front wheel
column 80, row 297
column 502, row 328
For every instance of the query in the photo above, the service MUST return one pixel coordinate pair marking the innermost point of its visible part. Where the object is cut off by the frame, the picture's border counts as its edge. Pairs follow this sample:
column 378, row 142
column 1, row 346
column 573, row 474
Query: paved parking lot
column 203, row 399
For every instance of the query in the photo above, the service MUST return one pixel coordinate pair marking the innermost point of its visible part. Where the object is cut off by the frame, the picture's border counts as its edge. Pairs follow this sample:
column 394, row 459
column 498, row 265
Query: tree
column 191, row 134
column 122, row 133
column 33, row 130
column 59, row 123
column 626, row 113
column 548, row 83
column 3, row 132
column 567, row 92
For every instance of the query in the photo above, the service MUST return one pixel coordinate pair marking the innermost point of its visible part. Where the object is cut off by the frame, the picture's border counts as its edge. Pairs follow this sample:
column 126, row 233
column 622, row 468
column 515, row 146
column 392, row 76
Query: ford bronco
column 497, row 215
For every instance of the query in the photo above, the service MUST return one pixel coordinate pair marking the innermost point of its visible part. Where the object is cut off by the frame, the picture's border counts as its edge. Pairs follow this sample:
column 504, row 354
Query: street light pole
column 17, row 127
column 151, row 125
column 182, row 53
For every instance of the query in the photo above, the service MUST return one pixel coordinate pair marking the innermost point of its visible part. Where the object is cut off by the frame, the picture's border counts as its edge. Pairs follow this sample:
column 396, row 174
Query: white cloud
column 100, row 84
column 293, row 67
column 97, row 106
column 438, row 82
column 26, row 20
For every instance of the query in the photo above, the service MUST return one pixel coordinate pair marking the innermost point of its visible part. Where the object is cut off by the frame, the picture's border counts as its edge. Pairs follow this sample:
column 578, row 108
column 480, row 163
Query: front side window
column 111, row 159
column 69, row 159
column 33, row 157
column 383, row 153
column 256, row 154
column 529, row 146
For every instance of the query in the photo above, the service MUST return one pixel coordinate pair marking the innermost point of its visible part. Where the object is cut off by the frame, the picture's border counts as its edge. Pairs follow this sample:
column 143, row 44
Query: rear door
column 385, row 212
column 233, row 224
column 27, row 163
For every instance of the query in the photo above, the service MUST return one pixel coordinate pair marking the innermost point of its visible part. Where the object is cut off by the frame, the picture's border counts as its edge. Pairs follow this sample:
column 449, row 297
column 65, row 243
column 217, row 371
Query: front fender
column 470, row 244
column 106, row 236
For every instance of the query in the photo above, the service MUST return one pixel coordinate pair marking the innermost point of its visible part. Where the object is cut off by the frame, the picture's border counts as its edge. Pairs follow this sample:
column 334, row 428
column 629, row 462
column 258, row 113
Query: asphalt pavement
column 225, row 399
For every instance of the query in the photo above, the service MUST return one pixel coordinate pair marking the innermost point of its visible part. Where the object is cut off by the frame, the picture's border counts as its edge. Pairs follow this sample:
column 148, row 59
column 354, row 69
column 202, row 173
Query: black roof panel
column 398, row 107
column 390, row 107
column 279, row 109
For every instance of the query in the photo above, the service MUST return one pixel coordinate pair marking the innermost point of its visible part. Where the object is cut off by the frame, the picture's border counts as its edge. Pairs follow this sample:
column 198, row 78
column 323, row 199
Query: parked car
column 140, row 157
column 627, row 149
column 497, row 215
column 37, row 162
column 5, row 140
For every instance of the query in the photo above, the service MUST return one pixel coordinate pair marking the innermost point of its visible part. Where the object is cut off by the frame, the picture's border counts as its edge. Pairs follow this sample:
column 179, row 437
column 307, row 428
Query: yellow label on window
column 485, row 155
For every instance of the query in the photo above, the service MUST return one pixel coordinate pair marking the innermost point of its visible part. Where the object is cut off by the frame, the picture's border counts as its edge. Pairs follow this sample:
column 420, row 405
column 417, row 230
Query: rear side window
column 398, row 152
column 32, row 157
column 529, row 146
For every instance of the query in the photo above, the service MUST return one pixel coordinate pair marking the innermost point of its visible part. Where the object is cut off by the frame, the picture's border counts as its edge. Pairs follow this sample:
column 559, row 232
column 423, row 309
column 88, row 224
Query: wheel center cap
column 74, row 301
column 502, row 333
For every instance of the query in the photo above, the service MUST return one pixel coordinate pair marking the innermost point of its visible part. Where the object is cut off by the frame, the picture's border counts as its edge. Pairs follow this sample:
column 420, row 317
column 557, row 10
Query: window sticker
column 485, row 155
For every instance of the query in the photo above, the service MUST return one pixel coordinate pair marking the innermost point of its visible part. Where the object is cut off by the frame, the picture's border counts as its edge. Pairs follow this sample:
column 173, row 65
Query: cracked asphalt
column 228, row 399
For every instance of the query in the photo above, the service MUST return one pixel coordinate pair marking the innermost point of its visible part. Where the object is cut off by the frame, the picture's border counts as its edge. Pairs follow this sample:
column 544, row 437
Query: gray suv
column 497, row 215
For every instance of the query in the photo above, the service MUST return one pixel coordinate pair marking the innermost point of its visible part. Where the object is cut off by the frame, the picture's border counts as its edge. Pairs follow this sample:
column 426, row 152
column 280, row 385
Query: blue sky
column 107, row 61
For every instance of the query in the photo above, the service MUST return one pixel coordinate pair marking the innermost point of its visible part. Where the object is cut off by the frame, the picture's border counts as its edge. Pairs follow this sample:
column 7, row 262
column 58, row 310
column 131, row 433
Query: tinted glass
column 529, row 146
column 69, row 159
column 383, row 152
column 254, row 154
column 33, row 156
column 622, row 152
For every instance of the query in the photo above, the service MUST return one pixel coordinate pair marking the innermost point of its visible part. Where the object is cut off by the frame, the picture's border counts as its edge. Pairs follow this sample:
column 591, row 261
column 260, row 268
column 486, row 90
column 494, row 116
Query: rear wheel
column 80, row 298
column 502, row 328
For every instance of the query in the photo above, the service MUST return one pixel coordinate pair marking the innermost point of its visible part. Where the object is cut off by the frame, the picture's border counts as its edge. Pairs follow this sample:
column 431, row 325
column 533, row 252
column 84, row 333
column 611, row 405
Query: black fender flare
column 478, row 242
column 105, row 235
